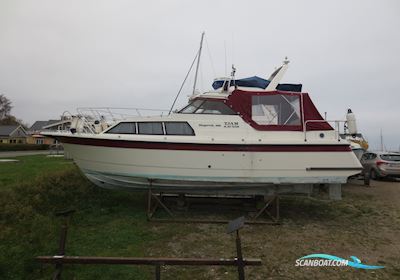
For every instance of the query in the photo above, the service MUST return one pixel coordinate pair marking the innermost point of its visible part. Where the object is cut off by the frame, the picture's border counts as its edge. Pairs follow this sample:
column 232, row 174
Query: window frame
column 191, row 128
column 125, row 133
column 162, row 128
column 190, row 104
column 275, row 114
column 204, row 101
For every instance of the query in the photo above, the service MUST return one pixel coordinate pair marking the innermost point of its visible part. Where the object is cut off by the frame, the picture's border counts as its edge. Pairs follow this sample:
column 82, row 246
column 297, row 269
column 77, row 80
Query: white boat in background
column 357, row 142
column 245, row 136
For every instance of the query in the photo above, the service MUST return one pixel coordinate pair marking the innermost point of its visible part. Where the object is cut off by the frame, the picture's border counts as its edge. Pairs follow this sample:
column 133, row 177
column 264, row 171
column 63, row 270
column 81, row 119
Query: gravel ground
column 365, row 224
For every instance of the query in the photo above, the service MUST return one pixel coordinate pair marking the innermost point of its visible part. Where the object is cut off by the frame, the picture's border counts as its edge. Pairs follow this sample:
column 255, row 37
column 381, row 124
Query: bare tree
column 5, row 113
column 5, row 106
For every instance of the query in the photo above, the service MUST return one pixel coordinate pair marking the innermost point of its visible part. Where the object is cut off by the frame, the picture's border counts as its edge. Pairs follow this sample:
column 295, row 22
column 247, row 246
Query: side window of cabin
column 276, row 110
column 178, row 128
column 150, row 128
column 123, row 128
column 372, row 156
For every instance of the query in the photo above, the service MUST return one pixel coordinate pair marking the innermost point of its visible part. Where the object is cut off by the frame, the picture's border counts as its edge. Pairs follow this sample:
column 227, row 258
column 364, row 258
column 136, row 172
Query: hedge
column 22, row 147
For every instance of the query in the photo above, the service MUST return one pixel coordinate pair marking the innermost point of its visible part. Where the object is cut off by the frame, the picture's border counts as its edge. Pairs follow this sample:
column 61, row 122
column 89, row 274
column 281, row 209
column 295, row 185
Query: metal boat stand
column 158, row 200
column 61, row 259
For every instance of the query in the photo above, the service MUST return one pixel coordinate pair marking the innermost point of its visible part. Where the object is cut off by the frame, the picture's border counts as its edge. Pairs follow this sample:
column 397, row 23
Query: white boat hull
column 202, row 171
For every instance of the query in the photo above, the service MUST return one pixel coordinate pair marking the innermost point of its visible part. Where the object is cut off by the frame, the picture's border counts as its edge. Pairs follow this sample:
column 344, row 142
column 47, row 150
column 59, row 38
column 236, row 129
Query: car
column 379, row 165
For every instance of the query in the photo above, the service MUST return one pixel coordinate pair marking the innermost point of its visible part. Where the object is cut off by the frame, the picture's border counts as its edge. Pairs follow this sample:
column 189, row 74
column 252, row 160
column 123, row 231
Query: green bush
column 23, row 147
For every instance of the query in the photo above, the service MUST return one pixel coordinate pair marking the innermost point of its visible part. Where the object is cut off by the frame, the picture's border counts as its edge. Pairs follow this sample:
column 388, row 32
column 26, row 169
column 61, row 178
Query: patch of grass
column 108, row 223
column 113, row 223
column 29, row 167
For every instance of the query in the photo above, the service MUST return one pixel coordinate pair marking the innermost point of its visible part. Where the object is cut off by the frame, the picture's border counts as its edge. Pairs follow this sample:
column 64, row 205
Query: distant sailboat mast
column 382, row 145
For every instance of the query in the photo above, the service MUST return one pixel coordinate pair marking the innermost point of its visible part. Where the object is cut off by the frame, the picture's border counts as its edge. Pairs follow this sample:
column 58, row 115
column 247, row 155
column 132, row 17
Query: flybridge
column 254, row 82
column 264, row 104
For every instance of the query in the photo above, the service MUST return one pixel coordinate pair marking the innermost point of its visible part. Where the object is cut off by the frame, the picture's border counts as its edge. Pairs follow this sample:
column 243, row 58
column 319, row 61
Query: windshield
column 207, row 107
column 192, row 107
column 391, row 157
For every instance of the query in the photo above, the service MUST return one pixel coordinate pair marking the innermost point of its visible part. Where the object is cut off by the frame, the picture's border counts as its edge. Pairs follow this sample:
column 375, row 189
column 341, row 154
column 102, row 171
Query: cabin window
column 123, row 128
column 214, row 107
column 178, row 128
column 192, row 107
column 208, row 107
column 154, row 128
column 276, row 110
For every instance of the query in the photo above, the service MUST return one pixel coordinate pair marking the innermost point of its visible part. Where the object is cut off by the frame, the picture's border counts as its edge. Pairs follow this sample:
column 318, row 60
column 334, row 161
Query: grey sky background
column 59, row 55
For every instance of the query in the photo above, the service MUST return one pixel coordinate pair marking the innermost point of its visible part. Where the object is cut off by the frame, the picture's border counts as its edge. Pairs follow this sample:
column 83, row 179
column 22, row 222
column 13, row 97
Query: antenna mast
column 226, row 71
column 198, row 63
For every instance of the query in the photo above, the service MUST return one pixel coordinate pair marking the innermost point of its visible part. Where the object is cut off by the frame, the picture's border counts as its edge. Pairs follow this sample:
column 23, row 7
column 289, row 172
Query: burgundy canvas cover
column 241, row 102
column 311, row 113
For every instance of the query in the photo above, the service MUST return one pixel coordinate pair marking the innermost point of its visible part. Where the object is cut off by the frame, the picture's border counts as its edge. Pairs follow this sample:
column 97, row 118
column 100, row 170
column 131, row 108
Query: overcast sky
column 59, row 55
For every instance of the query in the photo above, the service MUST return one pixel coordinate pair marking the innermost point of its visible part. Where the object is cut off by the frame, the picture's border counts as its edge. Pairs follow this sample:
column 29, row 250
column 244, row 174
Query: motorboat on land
column 244, row 136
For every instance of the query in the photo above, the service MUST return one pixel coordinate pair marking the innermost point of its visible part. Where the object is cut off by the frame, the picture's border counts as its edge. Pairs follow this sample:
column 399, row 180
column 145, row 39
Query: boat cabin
column 263, row 110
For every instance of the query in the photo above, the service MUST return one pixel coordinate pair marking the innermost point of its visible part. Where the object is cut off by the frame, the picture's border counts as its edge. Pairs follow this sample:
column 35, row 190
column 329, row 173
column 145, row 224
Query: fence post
column 66, row 214
column 158, row 272
column 234, row 226
column 240, row 262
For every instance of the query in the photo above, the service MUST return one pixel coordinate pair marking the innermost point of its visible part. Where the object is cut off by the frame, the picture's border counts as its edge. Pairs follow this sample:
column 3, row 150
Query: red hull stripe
column 204, row 147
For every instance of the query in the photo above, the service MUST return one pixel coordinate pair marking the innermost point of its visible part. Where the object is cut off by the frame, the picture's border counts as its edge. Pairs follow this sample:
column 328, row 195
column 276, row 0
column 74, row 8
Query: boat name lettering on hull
column 225, row 125
column 231, row 124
